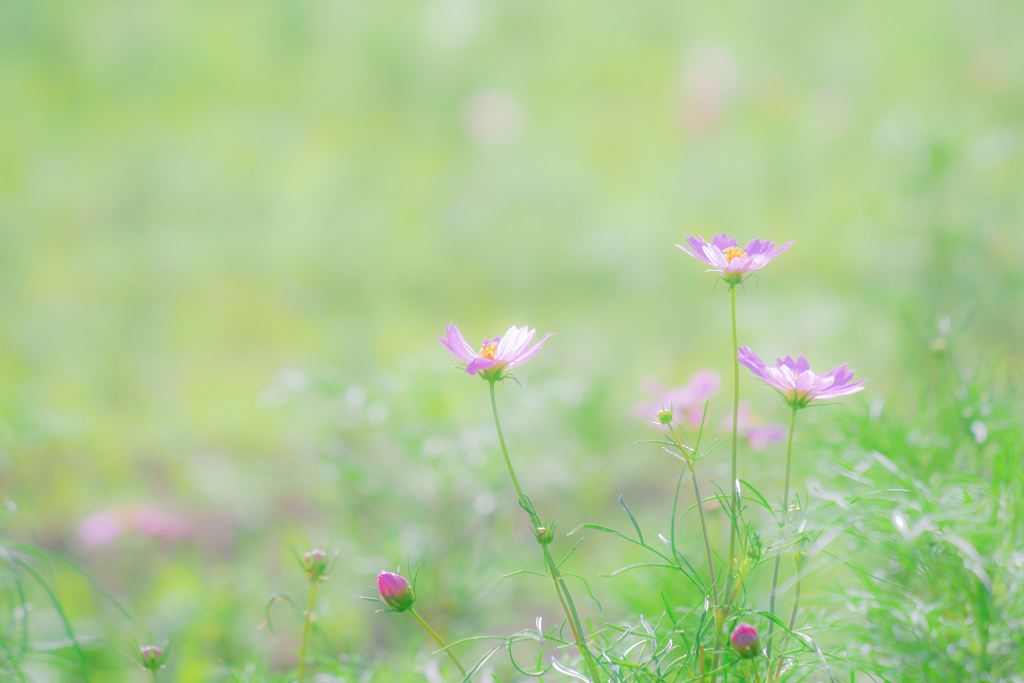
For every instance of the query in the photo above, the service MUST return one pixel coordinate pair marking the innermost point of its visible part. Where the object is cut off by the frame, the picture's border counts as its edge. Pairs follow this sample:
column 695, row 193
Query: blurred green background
column 229, row 232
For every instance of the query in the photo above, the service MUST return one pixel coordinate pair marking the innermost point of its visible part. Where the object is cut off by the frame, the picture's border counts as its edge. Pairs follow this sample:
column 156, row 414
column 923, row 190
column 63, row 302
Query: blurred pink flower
column 686, row 402
column 711, row 74
column 102, row 528
column 752, row 428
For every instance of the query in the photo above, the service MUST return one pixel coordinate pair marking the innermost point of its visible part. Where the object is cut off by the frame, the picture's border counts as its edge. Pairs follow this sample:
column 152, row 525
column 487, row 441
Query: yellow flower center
column 733, row 252
column 488, row 349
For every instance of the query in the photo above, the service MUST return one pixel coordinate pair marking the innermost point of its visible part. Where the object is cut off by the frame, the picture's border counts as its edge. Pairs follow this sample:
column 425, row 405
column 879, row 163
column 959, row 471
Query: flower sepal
column 545, row 533
column 151, row 657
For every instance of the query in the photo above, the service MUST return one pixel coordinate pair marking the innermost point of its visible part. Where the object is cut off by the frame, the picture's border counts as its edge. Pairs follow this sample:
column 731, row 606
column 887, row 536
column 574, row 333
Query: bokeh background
column 229, row 232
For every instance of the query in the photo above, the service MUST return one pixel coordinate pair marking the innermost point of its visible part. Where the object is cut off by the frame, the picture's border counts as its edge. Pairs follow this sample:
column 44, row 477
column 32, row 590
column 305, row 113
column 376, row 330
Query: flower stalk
column 561, row 589
column 785, row 512
column 315, row 564
column 305, row 630
column 734, row 503
column 437, row 637
column 688, row 459
column 792, row 623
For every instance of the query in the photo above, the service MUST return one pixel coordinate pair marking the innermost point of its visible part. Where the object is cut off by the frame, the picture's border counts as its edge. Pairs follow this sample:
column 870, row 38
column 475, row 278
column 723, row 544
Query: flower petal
column 478, row 364
column 529, row 353
column 456, row 343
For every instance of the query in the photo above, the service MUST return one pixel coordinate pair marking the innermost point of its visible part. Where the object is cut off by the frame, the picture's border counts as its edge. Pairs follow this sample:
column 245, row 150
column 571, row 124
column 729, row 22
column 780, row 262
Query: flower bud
column 395, row 590
column 664, row 416
column 151, row 657
column 544, row 534
column 314, row 563
column 744, row 639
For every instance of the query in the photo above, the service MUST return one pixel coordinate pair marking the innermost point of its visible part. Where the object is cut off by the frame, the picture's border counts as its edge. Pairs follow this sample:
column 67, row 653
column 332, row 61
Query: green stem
column 716, row 605
column 711, row 571
column 785, row 512
column 568, row 606
column 707, row 542
column 561, row 589
column 155, row 679
column 523, row 500
column 733, row 496
column 305, row 631
column 438, row 638
column 792, row 623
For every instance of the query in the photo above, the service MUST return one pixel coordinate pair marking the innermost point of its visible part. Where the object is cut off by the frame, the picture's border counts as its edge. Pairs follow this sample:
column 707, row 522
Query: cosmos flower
column 752, row 428
column 686, row 403
column 395, row 590
column 725, row 256
column 101, row 528
column 496, row 356
column 797, row 383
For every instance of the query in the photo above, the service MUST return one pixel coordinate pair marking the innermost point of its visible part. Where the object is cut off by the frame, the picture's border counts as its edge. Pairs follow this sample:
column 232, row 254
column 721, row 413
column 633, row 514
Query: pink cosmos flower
column 103, row 527
column 685, row 402
column 498, row 354
column 395, row 590
column 752, row 428
column 797, row 383
column 725, row 256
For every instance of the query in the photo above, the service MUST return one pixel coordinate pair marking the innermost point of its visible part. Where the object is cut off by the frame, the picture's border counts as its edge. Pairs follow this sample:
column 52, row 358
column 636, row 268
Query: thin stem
column 155, row 679
column 523, row 500
column 672, row 524
column 565, row 598
column 733, row 496
column 716, row 605
column 785, row 512
column 792, row 622
column 305, row 631
column 561, row 589
column 438, row 638
column 704, row 529
column 711, row 570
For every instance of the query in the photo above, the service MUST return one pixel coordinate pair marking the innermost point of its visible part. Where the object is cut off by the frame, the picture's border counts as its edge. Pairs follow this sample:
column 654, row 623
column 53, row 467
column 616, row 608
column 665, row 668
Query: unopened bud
column 544, row 534
column 744, row 639
column 314, row 563
column 395, row 590
column 664, row 416
column 151, row 657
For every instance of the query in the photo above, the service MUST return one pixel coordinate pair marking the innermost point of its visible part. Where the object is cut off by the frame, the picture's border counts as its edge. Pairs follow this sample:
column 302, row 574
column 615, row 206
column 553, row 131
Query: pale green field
column 230, row 231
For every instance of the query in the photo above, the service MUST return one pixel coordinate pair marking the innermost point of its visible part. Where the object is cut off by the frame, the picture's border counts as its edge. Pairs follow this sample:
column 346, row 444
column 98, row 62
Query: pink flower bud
column 744, row 639
column 151, row 657
column 314, row 563
column 395, row 590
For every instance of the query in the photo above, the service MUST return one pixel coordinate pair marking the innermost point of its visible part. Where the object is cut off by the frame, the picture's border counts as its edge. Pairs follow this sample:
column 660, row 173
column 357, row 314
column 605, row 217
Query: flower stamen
column 487, row 349
column 733, row 252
